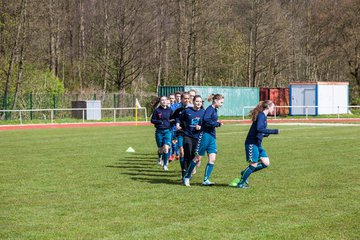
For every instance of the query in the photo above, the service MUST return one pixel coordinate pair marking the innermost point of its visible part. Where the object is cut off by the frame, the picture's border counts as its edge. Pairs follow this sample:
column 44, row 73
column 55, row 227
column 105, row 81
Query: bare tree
column 23, row 22
column 15, row 48
column 347, row 36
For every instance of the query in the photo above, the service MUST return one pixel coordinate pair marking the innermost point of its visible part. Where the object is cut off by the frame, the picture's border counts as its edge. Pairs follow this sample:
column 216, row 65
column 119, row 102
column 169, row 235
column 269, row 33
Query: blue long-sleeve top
column 176, row 117
column 173, row 108
column 258, row 130
column 161, row 118
column 191, row 117
column 210, row 121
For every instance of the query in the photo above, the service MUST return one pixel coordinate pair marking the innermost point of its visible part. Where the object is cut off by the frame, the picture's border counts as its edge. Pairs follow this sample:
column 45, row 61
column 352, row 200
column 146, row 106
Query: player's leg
column 264, row 160
column 172, row 152
column 194, row 142
column 199, row 152
column 165, row 156
column 180, row 144
column 172, row 148
column 177, row 153
column 208, row 170
column 187, row 145
column 159, row 143
column 252, row 157
column 212, row 151
column 166, row 147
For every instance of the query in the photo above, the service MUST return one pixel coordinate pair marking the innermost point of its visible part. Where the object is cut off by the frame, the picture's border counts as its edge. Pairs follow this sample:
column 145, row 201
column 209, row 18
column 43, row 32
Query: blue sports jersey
column 161, row 118
column 210, row 121
column 258, row 130
column 191, row 117
column 175, row 116
column 173, row 108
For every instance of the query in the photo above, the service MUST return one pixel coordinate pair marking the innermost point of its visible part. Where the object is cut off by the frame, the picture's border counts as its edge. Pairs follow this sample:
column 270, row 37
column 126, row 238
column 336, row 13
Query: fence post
column 114, row 100
column 31, row 106
column 133, row 103
column 94, row 96
column 243, row 113
column 338, row 112
column 20, row 117
column 146, row 119
column 6, row 102
column 54, row 102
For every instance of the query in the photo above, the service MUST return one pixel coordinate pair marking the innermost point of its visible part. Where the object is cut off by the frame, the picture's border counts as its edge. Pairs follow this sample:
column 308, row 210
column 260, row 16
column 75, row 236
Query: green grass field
column 80, row 184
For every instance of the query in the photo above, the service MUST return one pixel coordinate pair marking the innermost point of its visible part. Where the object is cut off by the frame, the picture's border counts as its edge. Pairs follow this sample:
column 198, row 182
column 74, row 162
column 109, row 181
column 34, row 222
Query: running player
column 207, row 140
column 256, row 155
column 161, row 121
column 179, row 126
column 191, row 118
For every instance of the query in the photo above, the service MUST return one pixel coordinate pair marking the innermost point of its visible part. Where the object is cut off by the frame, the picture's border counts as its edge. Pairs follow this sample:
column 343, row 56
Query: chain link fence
column 34, row 101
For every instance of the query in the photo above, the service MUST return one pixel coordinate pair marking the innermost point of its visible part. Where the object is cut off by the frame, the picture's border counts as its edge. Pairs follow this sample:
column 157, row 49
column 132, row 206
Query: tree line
column 132, row 46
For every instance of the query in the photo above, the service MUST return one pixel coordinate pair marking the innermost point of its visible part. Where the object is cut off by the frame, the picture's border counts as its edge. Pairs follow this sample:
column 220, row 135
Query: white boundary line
column 318, row 124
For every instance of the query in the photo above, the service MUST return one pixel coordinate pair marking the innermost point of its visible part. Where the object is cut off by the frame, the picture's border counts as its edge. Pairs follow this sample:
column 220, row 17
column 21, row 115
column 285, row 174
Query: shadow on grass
column 134, row 163
column 176, row 182
column 157, row 180
column 143, row 155
column 143, row 167
column 136, row 158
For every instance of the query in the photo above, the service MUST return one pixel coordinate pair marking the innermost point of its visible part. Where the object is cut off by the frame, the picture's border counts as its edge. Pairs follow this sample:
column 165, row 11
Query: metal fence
column 336, row 111
column 68, row 115
column 54, row 101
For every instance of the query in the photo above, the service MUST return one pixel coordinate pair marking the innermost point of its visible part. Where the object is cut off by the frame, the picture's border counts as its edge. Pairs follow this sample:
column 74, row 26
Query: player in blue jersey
column 178, row 97
column 161, row 121
column 179, row 125
column 191, row 117
column 207, row 140
column 192, row 94
column 256, row 155
column 174, row 146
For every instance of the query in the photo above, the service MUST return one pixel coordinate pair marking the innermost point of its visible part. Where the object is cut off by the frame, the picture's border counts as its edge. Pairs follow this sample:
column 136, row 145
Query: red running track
column 111, row 124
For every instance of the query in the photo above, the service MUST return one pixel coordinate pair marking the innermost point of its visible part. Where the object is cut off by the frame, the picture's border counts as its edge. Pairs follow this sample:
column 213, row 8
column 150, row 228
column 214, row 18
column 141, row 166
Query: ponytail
column 213, row 97
column 262, row 105
column 155, row 102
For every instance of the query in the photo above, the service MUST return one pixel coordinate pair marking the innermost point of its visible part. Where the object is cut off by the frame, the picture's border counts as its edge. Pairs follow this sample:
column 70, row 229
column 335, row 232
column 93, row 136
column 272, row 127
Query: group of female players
column 194, row 129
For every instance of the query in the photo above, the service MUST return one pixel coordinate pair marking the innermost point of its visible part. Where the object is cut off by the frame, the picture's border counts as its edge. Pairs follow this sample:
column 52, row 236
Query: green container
column 236, row 98
column 167, row 90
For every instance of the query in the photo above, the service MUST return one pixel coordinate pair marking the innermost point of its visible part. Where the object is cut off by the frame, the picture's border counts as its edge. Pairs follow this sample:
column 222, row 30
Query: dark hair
column 183, row 94
column 197, row 96
column 155, row 102
column 178, row 93
column 262, row 105
column 214, row 97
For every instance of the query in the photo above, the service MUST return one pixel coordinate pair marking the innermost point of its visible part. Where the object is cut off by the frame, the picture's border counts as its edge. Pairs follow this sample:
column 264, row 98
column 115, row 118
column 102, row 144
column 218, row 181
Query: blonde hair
column 262, row 105
column 213, row 97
